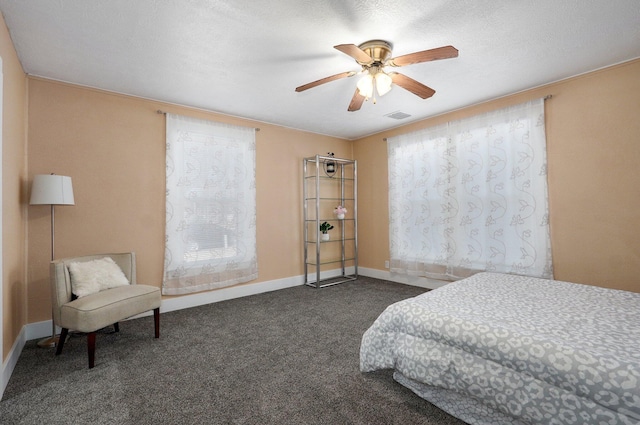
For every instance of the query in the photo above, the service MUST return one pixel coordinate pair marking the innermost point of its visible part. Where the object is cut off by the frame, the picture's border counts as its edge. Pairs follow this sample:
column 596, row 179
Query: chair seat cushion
column 95, row 311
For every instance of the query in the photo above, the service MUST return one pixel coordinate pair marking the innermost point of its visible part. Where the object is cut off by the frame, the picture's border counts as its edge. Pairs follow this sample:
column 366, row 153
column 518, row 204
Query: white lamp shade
column 51, row 189
column 365, row 86
column 383, row 83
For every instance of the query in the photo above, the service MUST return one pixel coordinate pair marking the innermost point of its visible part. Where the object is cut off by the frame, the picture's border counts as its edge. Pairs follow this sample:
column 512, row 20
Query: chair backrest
column 61, row 280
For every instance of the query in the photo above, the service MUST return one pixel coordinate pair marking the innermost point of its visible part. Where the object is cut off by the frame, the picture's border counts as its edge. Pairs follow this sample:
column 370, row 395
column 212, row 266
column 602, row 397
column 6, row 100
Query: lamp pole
column 52, row 190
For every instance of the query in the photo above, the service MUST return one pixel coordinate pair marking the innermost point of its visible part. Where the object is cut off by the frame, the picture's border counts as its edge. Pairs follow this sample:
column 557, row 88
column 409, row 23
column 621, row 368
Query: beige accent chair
column 93, row 312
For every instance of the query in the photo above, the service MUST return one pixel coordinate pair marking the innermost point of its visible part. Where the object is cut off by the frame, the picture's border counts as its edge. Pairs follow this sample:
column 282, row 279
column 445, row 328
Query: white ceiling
column 245, row 57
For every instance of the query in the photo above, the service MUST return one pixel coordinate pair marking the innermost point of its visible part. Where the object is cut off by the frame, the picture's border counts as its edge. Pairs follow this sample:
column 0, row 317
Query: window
column 211, row 208
column 471, row 196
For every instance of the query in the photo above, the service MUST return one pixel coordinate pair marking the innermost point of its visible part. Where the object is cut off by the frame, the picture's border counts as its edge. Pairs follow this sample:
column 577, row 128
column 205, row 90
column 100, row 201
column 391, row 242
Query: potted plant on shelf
column 340, row 211
column 324, row 228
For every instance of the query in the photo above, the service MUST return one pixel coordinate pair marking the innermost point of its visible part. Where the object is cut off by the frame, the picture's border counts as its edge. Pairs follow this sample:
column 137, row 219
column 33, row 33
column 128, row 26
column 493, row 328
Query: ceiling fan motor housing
column 378, row 50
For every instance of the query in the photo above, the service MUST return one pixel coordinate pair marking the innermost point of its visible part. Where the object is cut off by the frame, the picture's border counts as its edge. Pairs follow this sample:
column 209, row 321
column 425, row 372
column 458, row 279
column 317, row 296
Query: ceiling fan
column 373, row 56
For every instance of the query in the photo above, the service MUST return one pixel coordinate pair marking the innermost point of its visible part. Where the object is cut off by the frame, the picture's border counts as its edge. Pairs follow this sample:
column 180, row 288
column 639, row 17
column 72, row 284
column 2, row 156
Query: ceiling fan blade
column 356, row 101
column 445, row 52
column 412, row 85
column 325, row 80
column 355, row 52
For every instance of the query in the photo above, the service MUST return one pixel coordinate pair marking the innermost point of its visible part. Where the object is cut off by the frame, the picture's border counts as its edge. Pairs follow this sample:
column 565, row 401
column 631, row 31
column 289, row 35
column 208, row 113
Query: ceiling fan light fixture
column 365, row 86
column 383, row 83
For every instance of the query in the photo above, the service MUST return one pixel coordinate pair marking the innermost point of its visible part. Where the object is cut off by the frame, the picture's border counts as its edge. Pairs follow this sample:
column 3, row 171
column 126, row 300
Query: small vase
column 325, row 237
column 340, row 216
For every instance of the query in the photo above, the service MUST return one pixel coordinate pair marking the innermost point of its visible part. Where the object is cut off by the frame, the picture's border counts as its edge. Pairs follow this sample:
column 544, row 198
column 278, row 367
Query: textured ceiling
column 245, row 58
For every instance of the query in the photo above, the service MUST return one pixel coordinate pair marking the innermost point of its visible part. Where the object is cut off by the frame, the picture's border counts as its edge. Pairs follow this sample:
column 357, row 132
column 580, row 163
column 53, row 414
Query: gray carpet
column 284, row 357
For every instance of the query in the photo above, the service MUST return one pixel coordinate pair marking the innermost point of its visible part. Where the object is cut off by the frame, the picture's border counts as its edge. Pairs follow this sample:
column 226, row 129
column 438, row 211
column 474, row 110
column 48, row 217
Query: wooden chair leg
column 61, row 340
column 116, row 326
column 156, row 321
column 91, row 348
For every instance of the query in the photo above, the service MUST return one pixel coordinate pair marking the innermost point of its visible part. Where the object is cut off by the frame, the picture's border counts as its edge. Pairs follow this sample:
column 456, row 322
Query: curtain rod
column 160, row 111
column 547, row 97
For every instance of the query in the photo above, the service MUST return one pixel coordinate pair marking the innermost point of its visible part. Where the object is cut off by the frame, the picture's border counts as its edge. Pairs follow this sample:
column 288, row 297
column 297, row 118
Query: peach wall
column 113, row 148
column 593, row 143
column 14, row 175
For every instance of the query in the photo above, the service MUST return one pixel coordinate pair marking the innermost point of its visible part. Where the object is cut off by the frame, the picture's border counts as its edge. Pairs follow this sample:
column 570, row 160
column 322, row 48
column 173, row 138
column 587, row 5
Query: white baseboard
column 329, row 274
column 423, row 282
column 39, row 330
column 238, row 291
column 12, row 359
column 43, row 329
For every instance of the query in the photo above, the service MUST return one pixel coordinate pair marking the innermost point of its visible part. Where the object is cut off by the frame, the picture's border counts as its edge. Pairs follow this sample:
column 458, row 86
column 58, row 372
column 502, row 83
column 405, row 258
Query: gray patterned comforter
column 523, row 350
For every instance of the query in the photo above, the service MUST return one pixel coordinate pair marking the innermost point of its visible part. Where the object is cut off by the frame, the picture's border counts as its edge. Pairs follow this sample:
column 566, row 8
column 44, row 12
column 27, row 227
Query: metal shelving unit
column 324, row 190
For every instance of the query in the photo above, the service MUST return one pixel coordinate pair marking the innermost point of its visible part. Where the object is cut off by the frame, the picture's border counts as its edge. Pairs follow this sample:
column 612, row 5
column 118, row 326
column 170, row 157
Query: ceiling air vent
column 398, row 115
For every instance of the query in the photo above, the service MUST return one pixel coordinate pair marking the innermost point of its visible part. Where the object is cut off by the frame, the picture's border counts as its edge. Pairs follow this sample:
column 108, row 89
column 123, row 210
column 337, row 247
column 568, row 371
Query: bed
column 505, row 349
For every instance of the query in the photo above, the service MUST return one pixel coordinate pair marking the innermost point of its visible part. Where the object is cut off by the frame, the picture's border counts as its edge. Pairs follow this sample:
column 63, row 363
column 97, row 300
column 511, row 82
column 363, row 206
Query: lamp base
column 50, row 342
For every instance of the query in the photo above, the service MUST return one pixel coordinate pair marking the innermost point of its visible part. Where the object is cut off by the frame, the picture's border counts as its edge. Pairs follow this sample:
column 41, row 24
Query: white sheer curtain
column 471, row 195
column 210, row 237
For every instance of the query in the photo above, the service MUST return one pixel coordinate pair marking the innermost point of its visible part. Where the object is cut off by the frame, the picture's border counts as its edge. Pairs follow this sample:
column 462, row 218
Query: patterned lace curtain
column 470, row 196
column 210, row 237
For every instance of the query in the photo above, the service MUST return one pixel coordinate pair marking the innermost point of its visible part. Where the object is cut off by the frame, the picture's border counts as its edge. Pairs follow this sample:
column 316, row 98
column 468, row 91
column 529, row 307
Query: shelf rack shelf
column 323, row 190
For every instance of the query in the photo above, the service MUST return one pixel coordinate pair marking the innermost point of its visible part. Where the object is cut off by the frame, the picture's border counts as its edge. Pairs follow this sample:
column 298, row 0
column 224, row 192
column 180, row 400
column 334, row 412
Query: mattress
column 518, row 350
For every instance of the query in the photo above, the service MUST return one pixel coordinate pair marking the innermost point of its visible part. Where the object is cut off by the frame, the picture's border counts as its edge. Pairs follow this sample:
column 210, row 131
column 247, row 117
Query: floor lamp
column 51, row 189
